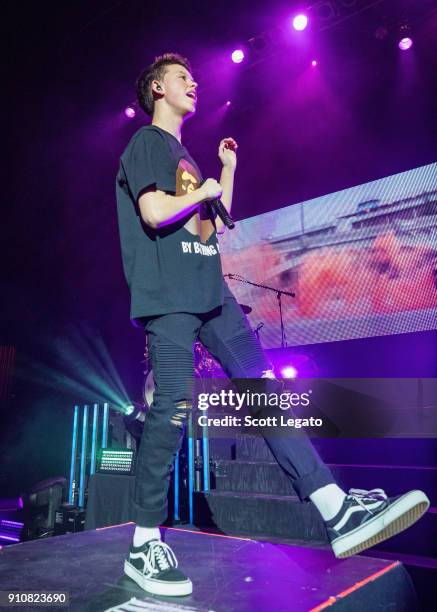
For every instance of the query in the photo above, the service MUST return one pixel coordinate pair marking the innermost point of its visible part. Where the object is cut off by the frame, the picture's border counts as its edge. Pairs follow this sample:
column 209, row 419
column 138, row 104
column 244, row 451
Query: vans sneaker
column 369, row 517
column 153, row 566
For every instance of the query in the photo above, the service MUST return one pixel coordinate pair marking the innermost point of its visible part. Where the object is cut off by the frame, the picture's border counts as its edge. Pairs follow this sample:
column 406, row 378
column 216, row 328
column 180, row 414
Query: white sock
column 144, row 534
column 328, row 500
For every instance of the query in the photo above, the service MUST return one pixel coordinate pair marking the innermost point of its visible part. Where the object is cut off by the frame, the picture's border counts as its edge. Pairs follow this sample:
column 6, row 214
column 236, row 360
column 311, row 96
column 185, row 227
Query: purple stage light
column 228, row 103
column 300, row 22
column 6, row 523
column 405, row 43
column 237, row 56
column 288, row 372
column 129, row 112
column 314, row 63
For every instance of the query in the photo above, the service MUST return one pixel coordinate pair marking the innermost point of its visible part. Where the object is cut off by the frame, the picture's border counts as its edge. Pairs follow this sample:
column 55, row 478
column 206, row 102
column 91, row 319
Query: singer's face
column 180, row 90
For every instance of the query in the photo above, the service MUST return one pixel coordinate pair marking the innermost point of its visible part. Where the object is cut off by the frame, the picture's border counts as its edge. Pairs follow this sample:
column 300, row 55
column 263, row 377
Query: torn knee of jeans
column 180, row 414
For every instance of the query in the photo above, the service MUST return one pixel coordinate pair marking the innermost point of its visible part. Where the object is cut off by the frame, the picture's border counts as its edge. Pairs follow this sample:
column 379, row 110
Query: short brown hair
column 156, row 72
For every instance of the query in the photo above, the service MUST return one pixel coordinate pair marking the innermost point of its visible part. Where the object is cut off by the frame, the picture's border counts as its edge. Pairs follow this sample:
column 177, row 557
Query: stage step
column 384, row 451
column 285, row 516
column 378, row 451
column 423, row 571
column 268, row 477
column 252, row 514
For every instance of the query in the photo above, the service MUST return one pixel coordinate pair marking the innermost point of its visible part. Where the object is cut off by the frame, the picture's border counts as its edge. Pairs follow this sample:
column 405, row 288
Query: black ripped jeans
column 226, row 333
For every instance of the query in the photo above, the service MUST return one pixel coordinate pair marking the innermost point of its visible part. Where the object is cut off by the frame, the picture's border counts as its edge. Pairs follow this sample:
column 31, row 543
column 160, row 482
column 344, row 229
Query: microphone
column 221, row 211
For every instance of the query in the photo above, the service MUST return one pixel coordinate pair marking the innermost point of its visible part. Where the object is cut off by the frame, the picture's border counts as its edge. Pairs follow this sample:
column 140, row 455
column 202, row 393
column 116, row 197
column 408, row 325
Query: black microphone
column 221, row 211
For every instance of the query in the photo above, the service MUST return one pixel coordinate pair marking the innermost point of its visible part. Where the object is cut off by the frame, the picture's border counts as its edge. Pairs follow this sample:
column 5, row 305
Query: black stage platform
column 229, row 574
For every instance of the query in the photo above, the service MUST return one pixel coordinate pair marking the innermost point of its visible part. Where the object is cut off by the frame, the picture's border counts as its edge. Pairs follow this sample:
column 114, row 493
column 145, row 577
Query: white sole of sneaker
column 158, row 587
column 400, row 515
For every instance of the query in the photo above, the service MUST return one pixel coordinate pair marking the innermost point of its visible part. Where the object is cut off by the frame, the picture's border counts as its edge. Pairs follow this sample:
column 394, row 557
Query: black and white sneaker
column 153, row 566
column 369, row 517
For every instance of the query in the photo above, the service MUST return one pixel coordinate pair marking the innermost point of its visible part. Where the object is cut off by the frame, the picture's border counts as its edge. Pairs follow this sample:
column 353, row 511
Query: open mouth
column 192, row 95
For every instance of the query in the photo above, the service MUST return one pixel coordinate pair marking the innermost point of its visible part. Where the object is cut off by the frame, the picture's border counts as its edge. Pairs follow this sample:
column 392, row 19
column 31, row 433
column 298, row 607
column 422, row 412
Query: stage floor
column 229, row 574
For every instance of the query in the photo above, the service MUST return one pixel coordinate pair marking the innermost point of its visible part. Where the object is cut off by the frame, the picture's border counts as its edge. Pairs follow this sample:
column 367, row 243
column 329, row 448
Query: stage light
column 314, row 63
column 131, row 411
column 300, row 22
column 41, row 504
column 115, row 461
column 127, row 410
column 129, row 111
column 288, row 372
column 228, row 103
column 405, row 43
column 9, row 538
column 237, row 56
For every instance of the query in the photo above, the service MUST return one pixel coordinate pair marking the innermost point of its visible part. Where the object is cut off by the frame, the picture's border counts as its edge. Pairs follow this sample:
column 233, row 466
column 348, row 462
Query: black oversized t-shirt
column 168, row 269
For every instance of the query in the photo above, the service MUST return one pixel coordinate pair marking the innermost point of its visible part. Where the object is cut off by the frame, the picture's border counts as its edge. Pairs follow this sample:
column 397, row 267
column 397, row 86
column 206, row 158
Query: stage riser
column 287, row 517
column 388, row 451
column 267, row 477
column 228, row 574
column 250, row 514
column 425, row 583
column 422, row 571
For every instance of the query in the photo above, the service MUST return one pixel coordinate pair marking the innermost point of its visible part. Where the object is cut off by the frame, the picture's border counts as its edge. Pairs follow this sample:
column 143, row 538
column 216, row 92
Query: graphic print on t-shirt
column 187, row 180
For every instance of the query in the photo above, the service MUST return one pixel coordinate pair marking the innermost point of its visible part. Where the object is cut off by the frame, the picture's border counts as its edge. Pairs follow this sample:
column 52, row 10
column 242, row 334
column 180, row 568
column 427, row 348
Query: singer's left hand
column 228, row 153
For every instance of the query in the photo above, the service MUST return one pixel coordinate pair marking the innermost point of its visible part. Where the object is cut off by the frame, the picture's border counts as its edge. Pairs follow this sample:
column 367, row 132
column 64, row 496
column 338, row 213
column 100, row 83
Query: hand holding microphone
column 212, row 191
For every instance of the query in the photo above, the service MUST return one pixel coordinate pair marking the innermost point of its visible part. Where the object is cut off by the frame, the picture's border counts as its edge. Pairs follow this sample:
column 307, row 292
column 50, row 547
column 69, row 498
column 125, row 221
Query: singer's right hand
column 211, row 189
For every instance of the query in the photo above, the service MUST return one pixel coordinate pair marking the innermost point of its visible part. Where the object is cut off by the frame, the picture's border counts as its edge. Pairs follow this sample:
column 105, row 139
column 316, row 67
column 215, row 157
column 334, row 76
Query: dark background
column 367, row 111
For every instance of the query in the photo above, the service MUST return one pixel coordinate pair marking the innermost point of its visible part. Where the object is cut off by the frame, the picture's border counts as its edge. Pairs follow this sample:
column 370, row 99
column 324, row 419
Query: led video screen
column 361, row 262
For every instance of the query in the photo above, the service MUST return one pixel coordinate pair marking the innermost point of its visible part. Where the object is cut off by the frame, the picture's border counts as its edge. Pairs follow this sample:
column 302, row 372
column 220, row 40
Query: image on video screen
column 362, row 262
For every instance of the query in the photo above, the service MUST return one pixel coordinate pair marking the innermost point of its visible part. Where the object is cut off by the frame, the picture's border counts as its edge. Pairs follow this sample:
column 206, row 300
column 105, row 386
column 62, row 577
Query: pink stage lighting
column 314, row 63
column 237, row 56
column 129, row 112
column 405, row 43
column 288, row 372
column 228, row 103
column 300, row 22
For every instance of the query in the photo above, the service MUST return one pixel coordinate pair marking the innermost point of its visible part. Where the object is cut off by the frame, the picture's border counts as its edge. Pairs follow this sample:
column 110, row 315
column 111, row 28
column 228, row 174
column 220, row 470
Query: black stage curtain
column 108, row 500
